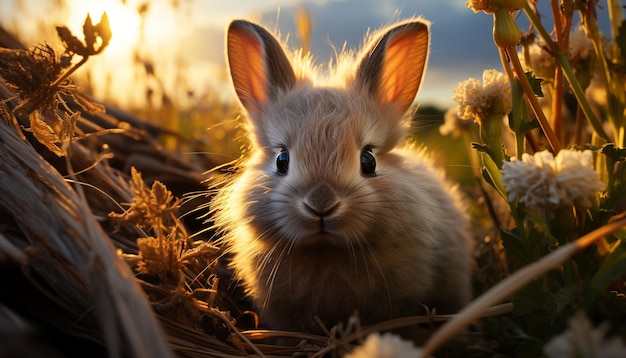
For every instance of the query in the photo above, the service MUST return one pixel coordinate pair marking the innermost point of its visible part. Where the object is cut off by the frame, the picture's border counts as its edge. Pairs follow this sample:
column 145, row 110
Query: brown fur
column 383, row 244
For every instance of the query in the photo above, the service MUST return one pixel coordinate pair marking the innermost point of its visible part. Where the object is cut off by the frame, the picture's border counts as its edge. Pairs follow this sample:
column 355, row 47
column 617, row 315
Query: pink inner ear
column 403, row 67
column 247, row 66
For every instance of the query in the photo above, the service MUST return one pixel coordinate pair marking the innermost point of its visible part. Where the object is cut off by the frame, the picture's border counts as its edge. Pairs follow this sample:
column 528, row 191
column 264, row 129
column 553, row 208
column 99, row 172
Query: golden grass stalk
column 69, row 250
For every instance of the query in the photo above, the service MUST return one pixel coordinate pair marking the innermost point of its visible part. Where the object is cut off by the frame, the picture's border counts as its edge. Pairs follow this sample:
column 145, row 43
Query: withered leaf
column 149, row 253
column 67, row 128
column 104, row 31
column 150, row 207
column 86, row 103
column 90, row 34
column 159, row 257
column 30, row 74
column 44, row 133
column 71, row 42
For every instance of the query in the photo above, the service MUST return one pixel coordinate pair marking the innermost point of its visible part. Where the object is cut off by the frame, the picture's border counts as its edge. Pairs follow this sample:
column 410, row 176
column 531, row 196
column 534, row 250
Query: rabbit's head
column 323, row 165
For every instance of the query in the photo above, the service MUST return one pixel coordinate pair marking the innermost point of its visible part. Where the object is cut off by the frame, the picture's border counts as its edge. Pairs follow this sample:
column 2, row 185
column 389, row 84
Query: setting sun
column 124, row 20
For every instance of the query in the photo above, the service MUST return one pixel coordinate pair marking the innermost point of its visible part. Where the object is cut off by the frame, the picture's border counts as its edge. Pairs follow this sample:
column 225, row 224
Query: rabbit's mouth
column 321, row 238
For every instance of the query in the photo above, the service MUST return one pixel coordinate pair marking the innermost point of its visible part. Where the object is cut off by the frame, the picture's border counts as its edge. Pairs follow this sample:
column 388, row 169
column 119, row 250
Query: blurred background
column 183, row 40
column 166, row 61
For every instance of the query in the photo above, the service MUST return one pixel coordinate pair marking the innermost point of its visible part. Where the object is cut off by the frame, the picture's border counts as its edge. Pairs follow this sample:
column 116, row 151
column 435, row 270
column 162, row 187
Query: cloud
column 461, row 44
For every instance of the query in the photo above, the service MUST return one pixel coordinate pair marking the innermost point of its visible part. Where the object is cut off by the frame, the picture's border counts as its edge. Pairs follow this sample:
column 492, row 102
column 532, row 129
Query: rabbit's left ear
column 392, row 69
column 258, row 65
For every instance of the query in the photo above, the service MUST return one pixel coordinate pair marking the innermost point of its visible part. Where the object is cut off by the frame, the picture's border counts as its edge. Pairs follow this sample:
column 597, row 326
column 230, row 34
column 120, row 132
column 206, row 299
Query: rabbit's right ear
column 258, row 65
column 392, row 69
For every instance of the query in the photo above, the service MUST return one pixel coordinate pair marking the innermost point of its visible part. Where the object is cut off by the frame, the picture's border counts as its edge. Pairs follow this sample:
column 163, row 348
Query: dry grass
column 69, row 257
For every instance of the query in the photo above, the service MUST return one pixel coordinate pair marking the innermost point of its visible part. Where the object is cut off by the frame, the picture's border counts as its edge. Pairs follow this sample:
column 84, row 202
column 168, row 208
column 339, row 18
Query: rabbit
column 332, row 213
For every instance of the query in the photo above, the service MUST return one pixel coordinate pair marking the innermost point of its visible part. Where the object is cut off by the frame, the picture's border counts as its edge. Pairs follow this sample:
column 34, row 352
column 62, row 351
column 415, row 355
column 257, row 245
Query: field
column 107, row 245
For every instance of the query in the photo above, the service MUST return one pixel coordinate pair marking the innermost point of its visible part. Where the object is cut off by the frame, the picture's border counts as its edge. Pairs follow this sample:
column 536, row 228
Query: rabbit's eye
column 282, row 161
column 368, row 161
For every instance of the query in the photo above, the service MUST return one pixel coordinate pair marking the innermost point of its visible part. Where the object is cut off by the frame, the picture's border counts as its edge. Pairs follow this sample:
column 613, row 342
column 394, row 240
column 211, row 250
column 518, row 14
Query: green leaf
column 611, row 306
column 486, row 177
column 537, row 306
column 613, row 266
column 620, row 234
column 515, row 247
column 565, row 301
column 482, row 148
column 616, row 154
column 535, row 83
column 494, row 173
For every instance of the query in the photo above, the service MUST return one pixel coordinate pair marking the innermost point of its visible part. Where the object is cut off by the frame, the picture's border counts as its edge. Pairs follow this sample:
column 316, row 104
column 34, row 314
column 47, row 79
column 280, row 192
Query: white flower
column 545, row 182
column 476, row 100
column 453, row 124
column 542, row 62
column 385, row 346
column 580, row 46
column 581, row 339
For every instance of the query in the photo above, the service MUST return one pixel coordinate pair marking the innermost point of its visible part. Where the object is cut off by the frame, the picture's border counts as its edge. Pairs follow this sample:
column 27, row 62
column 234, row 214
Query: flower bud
column 510, row 5
column 506, row 34
column 481, row 5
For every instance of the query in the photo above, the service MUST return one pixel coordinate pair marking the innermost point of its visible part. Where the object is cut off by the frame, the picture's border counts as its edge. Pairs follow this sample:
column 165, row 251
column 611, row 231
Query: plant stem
column 579, row 93
column 563, row 61
column 491, row 135
column 580, row 125
column 538, row 26
column 69, row 72
column 557, row 98
column 515, row 111
column 557, row 103
column 614, row 110
column 616, row 18
column 534, row 103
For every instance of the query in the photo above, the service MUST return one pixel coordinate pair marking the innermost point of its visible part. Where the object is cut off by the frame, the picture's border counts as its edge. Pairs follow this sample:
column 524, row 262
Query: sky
column 192, row 37
column 460, row 40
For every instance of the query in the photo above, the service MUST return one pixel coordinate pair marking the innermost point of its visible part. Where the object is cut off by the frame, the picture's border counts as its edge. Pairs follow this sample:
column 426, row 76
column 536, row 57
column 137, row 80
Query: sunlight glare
column 124, row 21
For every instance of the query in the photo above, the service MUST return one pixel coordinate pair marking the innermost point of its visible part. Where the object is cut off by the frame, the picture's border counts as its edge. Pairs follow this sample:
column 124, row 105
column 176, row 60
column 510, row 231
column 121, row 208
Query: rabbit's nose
column 321, row 200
